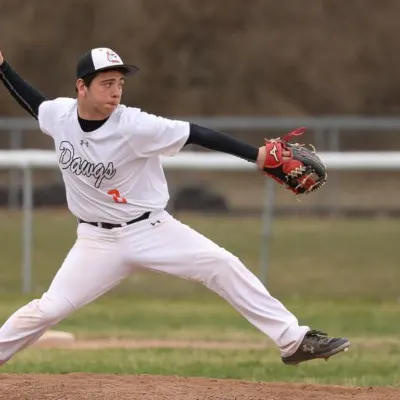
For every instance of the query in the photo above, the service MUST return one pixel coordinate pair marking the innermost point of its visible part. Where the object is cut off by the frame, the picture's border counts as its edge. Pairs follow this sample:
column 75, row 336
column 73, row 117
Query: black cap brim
column 127, row 68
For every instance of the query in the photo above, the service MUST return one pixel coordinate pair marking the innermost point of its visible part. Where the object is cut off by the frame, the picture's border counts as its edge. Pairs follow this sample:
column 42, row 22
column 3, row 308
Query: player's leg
column 174, row 248
column 92, row 267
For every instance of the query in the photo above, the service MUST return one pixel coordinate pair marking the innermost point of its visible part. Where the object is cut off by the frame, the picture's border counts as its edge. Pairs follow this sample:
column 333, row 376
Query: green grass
column 340, row 276
column 378, row 367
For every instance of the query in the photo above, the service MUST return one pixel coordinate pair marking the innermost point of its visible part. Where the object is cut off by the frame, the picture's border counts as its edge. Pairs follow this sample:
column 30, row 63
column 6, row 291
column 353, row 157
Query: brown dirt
column 145, row 387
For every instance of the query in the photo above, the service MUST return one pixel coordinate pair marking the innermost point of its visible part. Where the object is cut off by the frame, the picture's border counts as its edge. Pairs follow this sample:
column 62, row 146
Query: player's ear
column 80, row 86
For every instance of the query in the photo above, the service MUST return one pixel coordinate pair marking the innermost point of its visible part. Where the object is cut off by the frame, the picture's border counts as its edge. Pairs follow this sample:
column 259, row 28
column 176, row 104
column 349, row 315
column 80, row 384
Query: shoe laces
column 318, row 335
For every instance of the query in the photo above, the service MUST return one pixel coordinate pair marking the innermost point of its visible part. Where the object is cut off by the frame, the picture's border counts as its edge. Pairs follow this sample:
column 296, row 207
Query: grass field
column 334, row 259
column 340, row 276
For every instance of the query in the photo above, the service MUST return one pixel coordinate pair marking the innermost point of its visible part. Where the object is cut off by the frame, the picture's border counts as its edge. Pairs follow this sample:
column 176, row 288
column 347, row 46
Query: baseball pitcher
column 109, row 157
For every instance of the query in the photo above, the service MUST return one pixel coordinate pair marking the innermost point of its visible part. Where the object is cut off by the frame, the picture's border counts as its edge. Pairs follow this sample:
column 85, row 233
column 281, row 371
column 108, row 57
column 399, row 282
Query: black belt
column 107, row 225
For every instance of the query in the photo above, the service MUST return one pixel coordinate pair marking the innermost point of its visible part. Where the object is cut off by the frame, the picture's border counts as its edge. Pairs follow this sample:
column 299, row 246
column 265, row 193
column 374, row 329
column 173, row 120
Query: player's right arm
column 27, row 96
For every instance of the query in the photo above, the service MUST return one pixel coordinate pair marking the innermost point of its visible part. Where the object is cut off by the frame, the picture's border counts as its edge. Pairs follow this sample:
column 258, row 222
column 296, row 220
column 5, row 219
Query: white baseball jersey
column 114, row 173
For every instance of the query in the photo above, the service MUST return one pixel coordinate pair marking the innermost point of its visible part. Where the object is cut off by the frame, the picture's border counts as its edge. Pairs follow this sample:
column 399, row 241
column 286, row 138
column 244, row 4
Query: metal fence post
column 14, row 173
column 334, row 179
column 267, row 217
column 319, row 139
column 27, row 231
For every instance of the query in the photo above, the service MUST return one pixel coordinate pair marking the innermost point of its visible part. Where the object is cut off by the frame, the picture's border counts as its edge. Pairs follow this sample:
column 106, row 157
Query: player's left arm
column 292, row 165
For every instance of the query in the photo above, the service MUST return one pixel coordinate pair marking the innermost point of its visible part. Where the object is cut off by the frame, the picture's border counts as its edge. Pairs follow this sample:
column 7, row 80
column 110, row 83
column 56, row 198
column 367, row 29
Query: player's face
column 104, row 93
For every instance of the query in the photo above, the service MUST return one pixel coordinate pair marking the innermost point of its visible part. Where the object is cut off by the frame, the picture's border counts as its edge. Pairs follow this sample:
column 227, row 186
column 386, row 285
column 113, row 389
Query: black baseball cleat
column 315, row 345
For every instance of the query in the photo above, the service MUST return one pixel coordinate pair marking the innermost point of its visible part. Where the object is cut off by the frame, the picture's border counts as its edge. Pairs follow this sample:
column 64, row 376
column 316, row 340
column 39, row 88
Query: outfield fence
column 328, row 133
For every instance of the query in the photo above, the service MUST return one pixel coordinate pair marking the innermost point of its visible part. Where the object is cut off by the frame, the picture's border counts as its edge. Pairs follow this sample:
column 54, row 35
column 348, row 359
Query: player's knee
column 222, row 265
column 51, row 310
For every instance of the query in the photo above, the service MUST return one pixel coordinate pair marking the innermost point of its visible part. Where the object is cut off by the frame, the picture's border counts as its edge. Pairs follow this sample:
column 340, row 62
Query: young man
column 109, row 157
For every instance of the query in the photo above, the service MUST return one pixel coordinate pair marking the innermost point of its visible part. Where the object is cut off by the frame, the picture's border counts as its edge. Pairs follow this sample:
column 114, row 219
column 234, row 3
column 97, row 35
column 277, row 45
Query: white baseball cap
column 101, row 59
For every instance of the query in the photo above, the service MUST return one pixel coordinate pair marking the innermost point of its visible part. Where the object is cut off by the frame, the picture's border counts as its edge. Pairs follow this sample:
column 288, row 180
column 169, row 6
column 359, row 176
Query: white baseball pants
column 100, row 259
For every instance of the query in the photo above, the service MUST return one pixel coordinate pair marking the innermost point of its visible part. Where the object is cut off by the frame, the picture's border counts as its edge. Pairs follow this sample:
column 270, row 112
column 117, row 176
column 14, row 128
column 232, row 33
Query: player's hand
column 1, row 58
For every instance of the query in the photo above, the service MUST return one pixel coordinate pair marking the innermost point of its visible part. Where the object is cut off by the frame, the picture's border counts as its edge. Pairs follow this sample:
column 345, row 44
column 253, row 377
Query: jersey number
column 116, row 196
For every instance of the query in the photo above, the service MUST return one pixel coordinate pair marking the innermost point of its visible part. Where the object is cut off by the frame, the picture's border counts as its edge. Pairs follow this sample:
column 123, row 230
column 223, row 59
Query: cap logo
column 113, row 57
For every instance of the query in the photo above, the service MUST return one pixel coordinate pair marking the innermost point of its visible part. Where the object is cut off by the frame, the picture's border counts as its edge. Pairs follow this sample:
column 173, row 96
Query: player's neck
column 90, row 113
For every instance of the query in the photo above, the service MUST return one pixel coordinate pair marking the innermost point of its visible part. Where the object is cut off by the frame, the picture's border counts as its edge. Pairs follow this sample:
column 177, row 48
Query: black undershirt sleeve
column 26, row 95
column 222, row 142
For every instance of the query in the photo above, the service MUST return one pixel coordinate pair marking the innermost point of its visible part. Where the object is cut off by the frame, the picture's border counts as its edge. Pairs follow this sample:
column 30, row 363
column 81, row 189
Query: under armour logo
column 308, row 348
column 155, row 222
column 84, row 142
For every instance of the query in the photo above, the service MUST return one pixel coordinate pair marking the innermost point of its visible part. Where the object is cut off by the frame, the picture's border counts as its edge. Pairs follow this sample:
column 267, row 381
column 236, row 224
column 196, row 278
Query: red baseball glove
column 303, row 173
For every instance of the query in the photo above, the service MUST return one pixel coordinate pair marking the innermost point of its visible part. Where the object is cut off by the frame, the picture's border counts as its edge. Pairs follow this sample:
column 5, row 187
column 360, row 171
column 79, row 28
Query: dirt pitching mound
column 145, row 387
